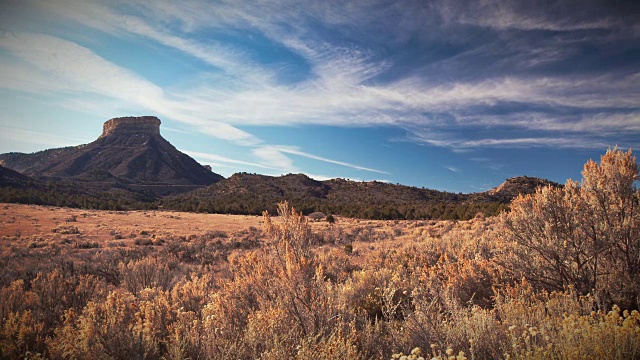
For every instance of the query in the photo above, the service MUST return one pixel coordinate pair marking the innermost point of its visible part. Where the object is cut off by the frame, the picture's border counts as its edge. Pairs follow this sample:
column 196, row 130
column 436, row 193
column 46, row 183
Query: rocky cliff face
column 130, row 125
column 130, row 149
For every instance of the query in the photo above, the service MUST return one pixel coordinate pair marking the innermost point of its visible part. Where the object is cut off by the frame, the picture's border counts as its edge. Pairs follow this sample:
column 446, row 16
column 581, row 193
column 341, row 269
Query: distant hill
column 514, row 186
column 130, row 150
column 11, row 178
column 245, row 193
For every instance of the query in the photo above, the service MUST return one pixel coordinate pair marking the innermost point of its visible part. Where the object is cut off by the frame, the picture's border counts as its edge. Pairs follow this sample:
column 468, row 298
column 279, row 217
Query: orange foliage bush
column 586, row 235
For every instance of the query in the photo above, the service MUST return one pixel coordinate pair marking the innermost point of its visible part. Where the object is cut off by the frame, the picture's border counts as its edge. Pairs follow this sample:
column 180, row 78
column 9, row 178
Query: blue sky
column 450, row 95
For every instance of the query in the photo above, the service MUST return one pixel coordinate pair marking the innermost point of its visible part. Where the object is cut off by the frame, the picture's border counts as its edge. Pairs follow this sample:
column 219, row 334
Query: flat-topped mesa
column 132, row 124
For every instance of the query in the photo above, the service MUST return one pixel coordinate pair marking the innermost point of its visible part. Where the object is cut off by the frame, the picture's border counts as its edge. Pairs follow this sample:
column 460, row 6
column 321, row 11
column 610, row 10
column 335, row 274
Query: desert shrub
column 86, row 245
column 21, row 332
column 188, row 338
column 274, row 298
column 468, row 280
column 523, row 325
column 14, row 298
column 335, row 346
column 191, row 295
column 363, row 233
column 442, row 323
column 120, row 327
column 215, row 234
column 586, row 236
column 106, row 264
column 271, row 333
column 143, row 242
column 56, row 293
column 65, row 229
column 378, row 293
column 348, row 249
column 298, row 277
column 153, row 321
column 30, row 316
column 209, row 248
column 562, row 325
column 148, row 272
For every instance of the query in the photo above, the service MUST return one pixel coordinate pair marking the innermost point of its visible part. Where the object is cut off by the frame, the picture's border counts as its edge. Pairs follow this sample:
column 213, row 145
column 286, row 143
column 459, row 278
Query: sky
column 449, row 95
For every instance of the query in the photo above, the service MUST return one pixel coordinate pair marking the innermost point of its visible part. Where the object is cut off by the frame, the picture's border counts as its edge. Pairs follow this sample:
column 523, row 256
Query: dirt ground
column 55, row 223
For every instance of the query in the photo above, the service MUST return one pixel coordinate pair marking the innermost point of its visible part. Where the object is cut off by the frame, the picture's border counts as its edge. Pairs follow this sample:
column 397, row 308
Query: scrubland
column 556, row 277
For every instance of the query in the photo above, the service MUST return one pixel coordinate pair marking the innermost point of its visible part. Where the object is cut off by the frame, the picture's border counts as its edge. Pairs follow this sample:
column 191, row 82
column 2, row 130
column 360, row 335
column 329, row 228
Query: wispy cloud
column 489, row 163
column 295, row 151
column 274, row 157
column 207, row 157
column 524, row 15
column 109, row 19
column 524, row 142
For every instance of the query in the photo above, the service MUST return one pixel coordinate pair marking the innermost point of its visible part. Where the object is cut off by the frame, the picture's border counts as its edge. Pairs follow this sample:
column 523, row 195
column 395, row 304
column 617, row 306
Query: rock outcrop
column 132, row 124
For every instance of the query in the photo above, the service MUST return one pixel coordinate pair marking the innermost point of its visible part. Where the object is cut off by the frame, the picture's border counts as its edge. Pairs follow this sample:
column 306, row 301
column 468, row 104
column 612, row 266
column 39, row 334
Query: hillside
column 109, row 193
column 11, row 178
column 245, row 193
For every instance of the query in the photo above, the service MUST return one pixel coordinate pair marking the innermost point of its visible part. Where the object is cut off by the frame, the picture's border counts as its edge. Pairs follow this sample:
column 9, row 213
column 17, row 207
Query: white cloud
column 79, row 69
column 38, row 138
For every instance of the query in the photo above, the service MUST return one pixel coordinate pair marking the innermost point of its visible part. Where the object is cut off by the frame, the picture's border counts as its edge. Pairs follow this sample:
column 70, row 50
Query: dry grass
column 30, row 221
